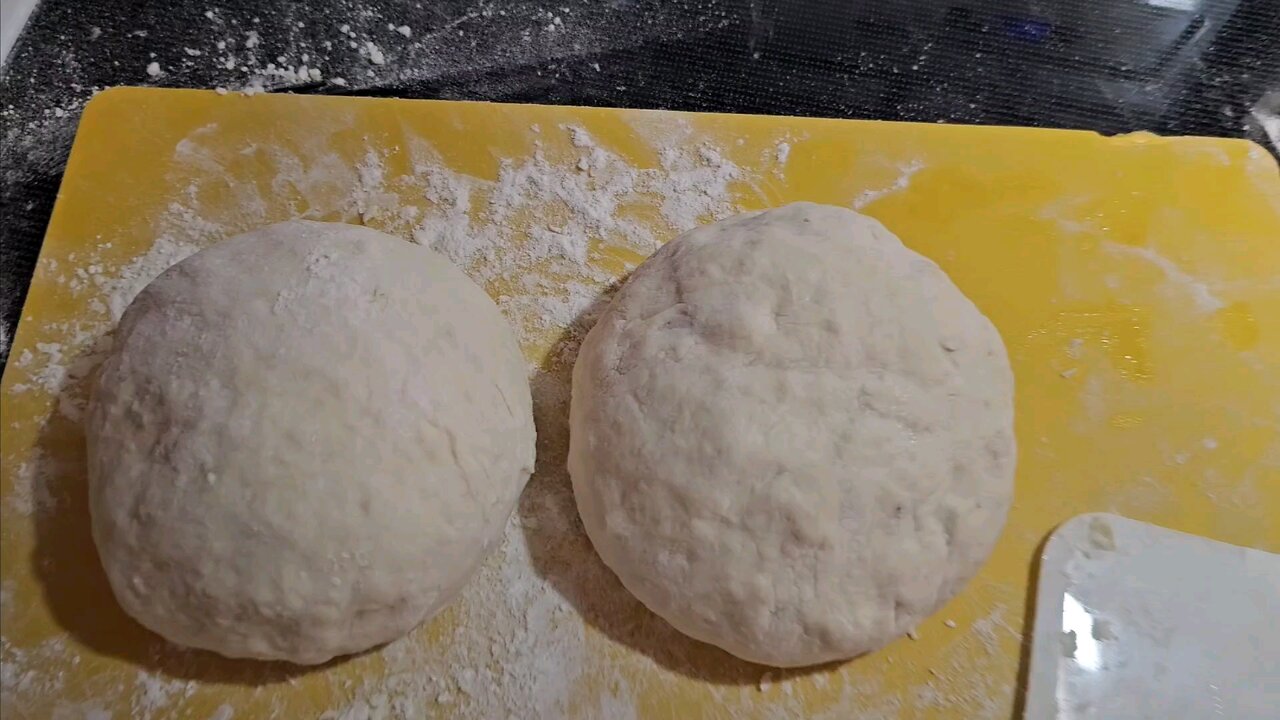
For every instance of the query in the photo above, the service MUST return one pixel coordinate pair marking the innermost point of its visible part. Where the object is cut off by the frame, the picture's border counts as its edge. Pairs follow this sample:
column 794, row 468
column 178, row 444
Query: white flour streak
column 544, row 224
column 1203, row 296
column 867, row 197
column 782, row 153
column 154, row 695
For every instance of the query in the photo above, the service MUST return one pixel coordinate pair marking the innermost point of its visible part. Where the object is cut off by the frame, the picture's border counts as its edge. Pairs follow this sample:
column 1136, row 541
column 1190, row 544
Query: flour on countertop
column 153, row 695
column 781, row 153
column 30, row 492
column 533, row 226
column 57, row 369
column 132, row 278
column 23, row 673
column 518, row 646
column 272, row 52
column 867, row 197
column 1201, row 293
column 517, row 650
column 530, row 637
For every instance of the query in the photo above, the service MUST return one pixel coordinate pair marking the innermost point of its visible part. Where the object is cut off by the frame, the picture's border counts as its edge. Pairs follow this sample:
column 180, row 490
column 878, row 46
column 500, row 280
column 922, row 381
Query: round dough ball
column 791, row 436
column 306, row 439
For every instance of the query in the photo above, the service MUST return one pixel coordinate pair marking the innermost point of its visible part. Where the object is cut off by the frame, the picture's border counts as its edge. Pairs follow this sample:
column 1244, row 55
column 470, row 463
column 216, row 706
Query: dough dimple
column 791, row 436
column 304, row 442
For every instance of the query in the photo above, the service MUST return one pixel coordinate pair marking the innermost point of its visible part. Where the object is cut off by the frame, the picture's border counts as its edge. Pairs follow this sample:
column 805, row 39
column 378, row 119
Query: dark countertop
column 1196, row 67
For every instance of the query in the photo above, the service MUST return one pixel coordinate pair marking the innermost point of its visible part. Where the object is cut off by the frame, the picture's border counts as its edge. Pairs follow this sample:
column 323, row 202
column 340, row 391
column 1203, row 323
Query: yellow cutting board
column 1135, row 279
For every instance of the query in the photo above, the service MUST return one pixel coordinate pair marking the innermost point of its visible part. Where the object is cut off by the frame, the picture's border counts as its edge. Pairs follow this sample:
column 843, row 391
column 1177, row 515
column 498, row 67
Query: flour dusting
column 1199, row 290
column 544, row 228
column 544, row 630
column 908, row 170
column 546, row 236
column 153, row 695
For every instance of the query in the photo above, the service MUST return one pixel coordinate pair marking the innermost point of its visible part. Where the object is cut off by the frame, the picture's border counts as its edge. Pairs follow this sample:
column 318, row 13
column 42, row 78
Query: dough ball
column 791, row 436
column 304, row 442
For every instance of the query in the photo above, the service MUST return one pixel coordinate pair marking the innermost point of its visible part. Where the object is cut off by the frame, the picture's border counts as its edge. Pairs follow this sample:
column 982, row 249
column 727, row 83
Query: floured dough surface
column 304, row 442
column 791, row 436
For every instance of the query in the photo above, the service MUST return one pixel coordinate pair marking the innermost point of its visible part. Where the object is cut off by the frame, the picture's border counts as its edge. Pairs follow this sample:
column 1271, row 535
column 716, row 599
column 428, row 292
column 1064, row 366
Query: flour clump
column 791, row 436
column 304, row 442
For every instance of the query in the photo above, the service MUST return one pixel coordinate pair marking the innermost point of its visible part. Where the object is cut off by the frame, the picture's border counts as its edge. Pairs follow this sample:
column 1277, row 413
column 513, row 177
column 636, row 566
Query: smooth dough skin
column 304, row 442
column 791, row 436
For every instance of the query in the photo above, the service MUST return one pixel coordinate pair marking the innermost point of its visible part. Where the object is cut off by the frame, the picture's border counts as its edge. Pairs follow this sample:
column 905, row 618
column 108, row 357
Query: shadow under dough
column 562, row 553
column 1028, row 625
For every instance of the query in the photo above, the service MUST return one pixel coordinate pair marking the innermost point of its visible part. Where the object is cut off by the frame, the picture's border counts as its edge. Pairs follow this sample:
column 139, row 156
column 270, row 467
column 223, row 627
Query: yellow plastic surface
column 1135, row 280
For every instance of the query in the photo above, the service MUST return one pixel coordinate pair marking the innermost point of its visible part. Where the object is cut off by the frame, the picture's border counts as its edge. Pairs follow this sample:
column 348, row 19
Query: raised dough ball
column 304, row 443
column 791, row 436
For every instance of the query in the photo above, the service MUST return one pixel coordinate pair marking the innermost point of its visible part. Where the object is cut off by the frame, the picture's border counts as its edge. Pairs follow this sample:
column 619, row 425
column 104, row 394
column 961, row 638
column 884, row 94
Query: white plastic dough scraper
column 1138, row 621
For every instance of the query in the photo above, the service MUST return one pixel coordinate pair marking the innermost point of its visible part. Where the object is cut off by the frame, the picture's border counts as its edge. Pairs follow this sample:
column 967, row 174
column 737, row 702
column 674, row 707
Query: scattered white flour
column 1201, row 294
column 518, row 649
column 375, row 54
column 58, row 368
column 132, row 278
column 30, row 491
column 866, row 197
column 988, row 628
column 535, row 227
column 22, row 671
column 1075, row 348
column 960, row 679
column 153, row 695
column 518, row 646
column 782, row 153
column 540, row 632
